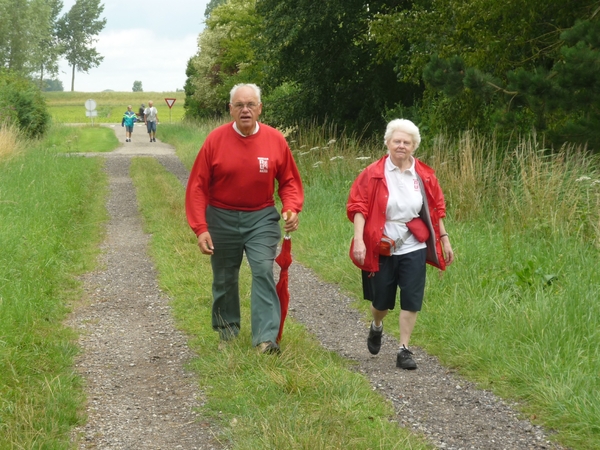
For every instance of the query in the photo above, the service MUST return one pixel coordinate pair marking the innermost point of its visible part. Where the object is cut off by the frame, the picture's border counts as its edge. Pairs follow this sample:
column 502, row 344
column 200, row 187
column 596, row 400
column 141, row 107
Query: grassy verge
column 81, row 139
column 69, row 107
column 306, row 398
column 518, row 311
column 51, row 212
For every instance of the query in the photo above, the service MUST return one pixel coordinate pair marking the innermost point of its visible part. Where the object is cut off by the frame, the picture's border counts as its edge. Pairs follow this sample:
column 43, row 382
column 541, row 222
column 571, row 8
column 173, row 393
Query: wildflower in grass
column 362, row 158
column 317, row 164
column 336, row 157
column 583, row 178
column 314, row 148
column 303, row 153
column 331, row 142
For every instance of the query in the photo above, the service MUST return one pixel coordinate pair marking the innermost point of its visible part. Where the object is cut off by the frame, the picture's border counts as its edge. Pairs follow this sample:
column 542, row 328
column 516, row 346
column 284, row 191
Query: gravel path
column 133, row 359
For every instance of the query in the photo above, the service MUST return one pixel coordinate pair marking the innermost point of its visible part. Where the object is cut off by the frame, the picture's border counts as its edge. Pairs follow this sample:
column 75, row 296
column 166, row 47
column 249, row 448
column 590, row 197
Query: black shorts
column 406, row 272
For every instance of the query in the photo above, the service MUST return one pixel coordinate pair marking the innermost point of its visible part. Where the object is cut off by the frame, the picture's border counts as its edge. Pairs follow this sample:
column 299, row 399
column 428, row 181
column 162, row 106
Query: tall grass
column 187, row 138
column 10, row 143
column 51, row 209
column 518, row 311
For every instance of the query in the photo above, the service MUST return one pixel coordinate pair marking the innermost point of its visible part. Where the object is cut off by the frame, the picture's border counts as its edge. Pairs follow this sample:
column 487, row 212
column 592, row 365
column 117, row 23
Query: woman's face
column 401, row 148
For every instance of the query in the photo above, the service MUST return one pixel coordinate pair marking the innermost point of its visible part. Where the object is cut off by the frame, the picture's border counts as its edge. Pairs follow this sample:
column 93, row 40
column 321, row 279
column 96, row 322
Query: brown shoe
column 268, row 347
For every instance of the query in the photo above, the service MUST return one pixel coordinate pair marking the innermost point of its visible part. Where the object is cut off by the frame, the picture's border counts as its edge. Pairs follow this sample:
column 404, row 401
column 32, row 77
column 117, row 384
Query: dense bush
column 22, row 104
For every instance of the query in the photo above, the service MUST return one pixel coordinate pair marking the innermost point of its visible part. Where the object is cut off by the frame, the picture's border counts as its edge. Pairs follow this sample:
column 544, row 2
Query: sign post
column 170, row 103
column 90, row 106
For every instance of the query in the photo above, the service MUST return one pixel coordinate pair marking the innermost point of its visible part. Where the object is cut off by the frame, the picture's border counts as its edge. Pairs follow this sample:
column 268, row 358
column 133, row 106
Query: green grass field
column 69, row 107
column 517, row 313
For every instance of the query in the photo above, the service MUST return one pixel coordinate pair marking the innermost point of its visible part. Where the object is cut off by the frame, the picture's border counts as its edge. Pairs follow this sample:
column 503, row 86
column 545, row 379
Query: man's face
column 245, row 109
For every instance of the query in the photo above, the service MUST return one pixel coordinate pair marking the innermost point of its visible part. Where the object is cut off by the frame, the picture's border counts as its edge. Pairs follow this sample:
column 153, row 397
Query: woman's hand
column 359, row 251
column 448, row 252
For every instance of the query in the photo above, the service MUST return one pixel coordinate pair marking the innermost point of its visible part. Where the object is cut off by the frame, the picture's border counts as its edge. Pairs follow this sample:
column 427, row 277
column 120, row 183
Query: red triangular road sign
column 170, row 101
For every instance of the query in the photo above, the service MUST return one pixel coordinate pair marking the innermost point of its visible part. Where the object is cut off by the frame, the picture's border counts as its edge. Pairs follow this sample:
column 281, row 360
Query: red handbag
column 419, row 229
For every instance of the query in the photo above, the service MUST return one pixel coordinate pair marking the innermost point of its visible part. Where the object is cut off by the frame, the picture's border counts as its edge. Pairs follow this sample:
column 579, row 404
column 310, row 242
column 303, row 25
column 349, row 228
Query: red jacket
column 369, row 195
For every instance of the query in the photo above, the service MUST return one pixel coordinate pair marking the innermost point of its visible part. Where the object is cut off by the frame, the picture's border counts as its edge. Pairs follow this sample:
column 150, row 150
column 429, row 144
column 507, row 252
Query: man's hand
column 205, row 243
column 291, row 221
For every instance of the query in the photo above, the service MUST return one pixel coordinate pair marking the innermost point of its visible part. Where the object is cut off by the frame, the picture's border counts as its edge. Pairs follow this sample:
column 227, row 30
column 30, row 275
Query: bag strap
column 398, row 242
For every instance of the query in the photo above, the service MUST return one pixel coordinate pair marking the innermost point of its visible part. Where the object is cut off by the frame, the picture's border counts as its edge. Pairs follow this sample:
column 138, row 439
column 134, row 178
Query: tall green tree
column 28, row 43
column 562, row 100
column 46, row 53
column 77, row 31
column 225, row 57
column 482, row 42
column 323, row 54
column 16, row 27
column 212, row 4
column 137, row 86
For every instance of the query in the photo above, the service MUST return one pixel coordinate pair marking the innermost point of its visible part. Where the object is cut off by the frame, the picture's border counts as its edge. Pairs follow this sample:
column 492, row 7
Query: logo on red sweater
column 263, row 165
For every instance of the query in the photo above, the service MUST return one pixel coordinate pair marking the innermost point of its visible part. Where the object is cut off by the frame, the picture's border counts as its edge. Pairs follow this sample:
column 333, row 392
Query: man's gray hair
column 252, row 86
column 404, row 125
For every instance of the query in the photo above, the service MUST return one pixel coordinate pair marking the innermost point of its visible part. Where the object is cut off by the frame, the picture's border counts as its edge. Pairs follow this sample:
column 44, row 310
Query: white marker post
column 170, row 103
column 90, row 106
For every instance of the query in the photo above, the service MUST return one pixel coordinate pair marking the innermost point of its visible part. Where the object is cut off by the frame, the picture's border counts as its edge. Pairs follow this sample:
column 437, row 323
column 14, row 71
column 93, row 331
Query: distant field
column 69, row 107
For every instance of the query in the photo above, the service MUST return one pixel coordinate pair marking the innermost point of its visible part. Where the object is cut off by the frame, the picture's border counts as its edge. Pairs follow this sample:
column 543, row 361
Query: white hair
column 252, row 86
column 404, row 125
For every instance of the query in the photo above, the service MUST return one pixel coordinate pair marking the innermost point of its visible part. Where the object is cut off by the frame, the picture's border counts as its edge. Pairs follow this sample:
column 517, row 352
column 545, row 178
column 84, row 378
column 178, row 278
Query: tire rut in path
column 139, row 394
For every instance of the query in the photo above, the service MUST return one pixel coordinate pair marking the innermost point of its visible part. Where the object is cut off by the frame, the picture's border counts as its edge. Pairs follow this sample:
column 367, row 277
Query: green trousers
column 256, row 233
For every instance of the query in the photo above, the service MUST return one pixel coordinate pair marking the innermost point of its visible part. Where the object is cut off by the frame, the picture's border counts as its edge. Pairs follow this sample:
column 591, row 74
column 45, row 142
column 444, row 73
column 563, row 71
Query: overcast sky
column 150, row 41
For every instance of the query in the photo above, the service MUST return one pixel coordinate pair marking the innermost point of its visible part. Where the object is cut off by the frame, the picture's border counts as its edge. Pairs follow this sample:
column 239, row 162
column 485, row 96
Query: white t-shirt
column 405, row 201
column 151, row 114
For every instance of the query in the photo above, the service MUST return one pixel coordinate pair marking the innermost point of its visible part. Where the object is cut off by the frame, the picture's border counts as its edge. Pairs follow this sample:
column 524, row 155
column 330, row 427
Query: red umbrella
column 285, row 261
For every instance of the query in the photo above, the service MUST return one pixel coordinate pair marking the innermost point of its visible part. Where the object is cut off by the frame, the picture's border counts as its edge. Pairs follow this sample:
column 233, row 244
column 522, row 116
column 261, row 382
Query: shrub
column 22, row 104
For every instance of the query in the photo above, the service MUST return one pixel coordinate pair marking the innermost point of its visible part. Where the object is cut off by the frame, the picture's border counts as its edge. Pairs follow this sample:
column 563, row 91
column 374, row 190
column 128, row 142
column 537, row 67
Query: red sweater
column 238, row 173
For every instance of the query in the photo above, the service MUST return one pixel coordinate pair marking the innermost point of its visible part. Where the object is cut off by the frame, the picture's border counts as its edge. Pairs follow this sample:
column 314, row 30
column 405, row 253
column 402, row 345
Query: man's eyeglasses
column 241, row 106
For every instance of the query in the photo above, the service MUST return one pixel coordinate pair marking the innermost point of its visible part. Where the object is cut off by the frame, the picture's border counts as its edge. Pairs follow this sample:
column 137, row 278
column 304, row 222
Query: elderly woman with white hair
column 397, row 207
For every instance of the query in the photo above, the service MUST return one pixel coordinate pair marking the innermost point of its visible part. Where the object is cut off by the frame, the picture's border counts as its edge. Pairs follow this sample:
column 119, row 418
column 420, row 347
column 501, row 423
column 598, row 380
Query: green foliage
column 53, row 85
column 561, row 100
column 28, row 42
column 325, row 50
column 137, row 86
column 22, row 104
column 226, row 58
column 76, row 31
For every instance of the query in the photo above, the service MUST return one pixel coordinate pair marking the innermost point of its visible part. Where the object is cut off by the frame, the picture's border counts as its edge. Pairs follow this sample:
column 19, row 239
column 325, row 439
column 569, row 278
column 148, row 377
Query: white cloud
column 150, row 42
column 136, row 54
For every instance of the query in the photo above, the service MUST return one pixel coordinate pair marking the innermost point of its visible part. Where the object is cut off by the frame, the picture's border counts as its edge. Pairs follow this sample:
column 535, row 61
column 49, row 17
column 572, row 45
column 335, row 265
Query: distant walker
column 151, row 120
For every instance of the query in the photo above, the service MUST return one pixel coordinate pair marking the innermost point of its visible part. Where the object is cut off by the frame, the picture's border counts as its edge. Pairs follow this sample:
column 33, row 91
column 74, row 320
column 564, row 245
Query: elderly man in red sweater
column 230, row 206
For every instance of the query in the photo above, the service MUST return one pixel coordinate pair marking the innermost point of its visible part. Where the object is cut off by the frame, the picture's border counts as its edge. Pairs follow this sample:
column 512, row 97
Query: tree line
column 503, row 67
column 34, row 36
